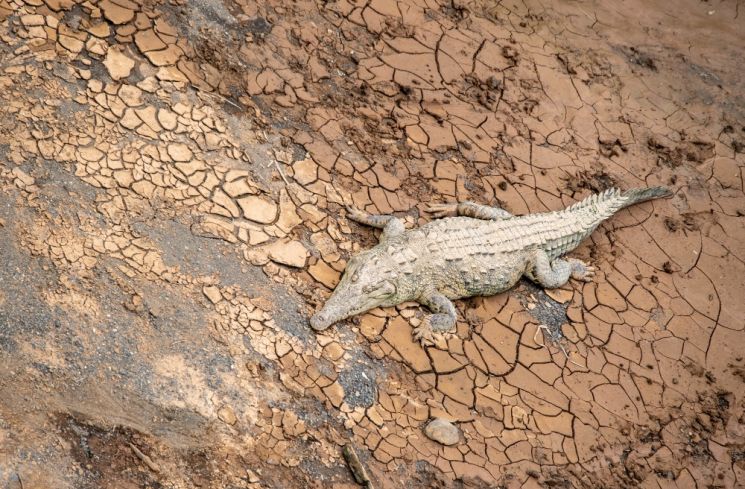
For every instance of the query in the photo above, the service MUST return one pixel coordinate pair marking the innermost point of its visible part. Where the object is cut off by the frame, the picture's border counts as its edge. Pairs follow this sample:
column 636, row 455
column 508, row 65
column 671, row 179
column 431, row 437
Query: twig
column 355, row 465
column 145, row 459
column 543, row 345
column 281, row 173
column 535, row 335
column 218, row 95
column 569, row 359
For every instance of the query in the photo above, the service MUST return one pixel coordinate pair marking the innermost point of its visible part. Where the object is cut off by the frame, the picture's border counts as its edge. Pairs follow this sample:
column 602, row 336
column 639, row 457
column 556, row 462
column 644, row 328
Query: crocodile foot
column 355, row 214
column 581, row 270
column 442, row 210
column 424, row 333
column 431, row 333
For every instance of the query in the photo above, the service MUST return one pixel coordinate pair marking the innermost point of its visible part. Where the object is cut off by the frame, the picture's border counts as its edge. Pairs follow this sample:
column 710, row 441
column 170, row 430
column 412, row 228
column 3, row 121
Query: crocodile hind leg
column 552, row 274
column 391, row 225
column 468, row 209
column 441, row 321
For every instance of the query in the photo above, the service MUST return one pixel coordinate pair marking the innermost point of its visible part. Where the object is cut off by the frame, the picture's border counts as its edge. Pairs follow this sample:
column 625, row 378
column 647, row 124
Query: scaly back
column 555, row 232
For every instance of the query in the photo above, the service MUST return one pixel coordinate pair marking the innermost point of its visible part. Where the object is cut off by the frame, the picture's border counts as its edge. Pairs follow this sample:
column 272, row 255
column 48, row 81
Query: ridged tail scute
column 603, row 205
column 637, row 195
column 584, row 216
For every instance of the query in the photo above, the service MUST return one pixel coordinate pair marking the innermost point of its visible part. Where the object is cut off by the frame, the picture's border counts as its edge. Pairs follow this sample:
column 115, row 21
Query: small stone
column 212, row 293
column 442, row 431
column 227, row 415
column 118, row 64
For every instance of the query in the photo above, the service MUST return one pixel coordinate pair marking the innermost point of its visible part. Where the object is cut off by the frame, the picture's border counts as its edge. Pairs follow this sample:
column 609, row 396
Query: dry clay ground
column 172, row 181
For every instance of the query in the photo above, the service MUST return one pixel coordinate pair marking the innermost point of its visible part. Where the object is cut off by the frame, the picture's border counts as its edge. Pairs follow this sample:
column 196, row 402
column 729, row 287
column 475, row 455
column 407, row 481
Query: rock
column 212, row 293
column 290, row 253
column 118, row 64
column 442, row 431
column 227, row 415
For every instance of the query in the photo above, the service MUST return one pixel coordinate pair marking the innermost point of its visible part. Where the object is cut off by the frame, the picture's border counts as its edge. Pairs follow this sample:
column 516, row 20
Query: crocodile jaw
column 347, row 302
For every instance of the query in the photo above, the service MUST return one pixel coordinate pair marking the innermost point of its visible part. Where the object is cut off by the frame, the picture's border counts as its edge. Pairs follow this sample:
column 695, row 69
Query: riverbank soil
column 173, row 177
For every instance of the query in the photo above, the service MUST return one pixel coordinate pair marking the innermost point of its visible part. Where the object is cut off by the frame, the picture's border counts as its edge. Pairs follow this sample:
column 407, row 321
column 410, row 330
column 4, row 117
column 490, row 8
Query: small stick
column 543, row 345
column 281, row 173
column 569, row 359
column 218, row 95
column 535, row 335
column 355, row 465
column 145, row 459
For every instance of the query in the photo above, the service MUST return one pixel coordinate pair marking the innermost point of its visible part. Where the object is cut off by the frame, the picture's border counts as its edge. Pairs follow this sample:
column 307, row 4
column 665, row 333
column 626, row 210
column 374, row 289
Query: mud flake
column 399, row 334
column 118, row 64
column 334, row 393
column 258, row 209
column 180, row 152
column 458, row 386
column 167, row 119
column 290, row 253
column 130, row 95
column 116, row 13
column 148, row 40
column 324, row 274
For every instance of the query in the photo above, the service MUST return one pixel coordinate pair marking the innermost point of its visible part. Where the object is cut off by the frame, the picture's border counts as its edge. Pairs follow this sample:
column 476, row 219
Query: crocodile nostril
column 319, row 322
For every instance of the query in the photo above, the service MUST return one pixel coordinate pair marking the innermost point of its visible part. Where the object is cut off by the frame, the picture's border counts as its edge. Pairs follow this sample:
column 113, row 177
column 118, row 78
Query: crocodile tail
column 583, row 217
column 608, row 202
column 636, row 195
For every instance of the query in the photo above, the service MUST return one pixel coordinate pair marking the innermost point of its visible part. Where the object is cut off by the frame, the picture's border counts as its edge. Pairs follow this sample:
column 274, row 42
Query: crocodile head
column 369, row 281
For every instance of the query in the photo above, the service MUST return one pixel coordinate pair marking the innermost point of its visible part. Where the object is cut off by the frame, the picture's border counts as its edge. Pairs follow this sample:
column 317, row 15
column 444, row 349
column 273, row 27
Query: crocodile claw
column 354, row 213
column 424, row 334
column 582, row 271
column 442, row 210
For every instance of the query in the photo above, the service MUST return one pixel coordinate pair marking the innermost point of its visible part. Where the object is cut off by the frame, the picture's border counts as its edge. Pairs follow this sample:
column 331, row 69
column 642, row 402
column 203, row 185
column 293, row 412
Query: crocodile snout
column 319, row 321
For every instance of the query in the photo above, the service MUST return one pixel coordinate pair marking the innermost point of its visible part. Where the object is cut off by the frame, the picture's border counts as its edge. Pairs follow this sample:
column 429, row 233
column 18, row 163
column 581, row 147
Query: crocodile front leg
column 555, row 274
column 391, row 225
column 468, row 209
column 442, row 320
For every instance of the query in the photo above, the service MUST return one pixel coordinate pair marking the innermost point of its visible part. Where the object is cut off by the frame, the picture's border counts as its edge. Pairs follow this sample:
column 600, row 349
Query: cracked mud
column 172, row 184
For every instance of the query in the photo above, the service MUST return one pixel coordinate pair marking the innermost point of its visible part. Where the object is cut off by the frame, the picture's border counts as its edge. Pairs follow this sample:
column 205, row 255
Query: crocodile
column 469, row 250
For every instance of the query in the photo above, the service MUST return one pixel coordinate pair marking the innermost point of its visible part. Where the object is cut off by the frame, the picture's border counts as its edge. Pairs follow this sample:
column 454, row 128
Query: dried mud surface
column 172, row 179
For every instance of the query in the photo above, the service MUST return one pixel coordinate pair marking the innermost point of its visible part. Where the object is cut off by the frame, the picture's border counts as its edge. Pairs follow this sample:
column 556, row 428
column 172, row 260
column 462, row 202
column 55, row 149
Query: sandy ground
column 172, row 182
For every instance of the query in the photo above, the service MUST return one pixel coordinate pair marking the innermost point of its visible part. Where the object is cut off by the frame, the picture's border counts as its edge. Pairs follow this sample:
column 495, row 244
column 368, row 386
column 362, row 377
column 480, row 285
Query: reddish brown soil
column 172, row 179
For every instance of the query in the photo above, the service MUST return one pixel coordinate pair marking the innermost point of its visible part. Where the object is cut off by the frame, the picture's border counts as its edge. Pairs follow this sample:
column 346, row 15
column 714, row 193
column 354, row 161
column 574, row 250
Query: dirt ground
column 172, row 183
